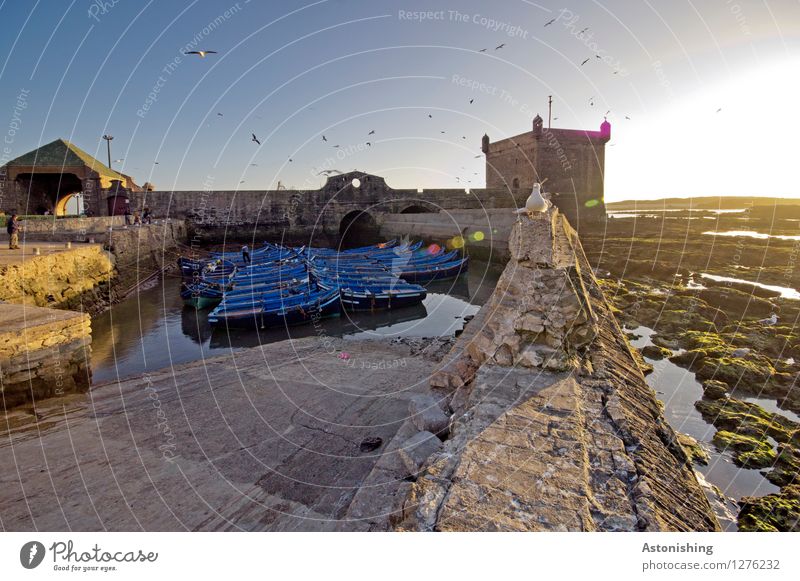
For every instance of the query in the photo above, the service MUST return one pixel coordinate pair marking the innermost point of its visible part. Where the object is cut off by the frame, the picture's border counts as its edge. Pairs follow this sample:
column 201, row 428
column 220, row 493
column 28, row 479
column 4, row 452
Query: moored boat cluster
column 282, row 285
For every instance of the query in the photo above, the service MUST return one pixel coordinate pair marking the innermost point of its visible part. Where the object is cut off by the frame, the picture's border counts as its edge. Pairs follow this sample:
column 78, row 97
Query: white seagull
column 772, row 320
column 535, row 202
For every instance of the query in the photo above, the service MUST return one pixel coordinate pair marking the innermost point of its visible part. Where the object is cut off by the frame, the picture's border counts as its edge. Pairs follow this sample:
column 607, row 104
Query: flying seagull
column 483, row 50
column 369, row 144
column 499, row 47
column 202, row 53
column 430, row 116
column 471, row 101
column 720, row 109
column 584, row 30
column 324, row 138
column 220, row 114
column 255, row 138
column 119, row 160
column 586, row 61
column 476, row 157
column 551, row 22
column 253, row 165
column 628, row 118
column 371, row 132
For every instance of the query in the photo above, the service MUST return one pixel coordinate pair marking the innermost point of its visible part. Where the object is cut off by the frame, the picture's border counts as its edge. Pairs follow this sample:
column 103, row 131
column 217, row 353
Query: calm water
column 153, row 330
column 678, row 389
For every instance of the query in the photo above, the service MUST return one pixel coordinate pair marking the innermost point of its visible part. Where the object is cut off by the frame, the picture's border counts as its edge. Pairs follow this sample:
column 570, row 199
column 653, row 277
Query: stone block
column 427, row 416
column 417, row 449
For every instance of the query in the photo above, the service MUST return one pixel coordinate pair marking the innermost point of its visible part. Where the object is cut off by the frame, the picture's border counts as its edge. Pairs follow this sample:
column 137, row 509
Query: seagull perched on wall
column 535, row 202
column 201, row 53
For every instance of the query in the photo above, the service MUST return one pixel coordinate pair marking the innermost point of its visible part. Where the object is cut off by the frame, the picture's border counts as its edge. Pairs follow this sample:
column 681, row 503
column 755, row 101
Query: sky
column 701, row 95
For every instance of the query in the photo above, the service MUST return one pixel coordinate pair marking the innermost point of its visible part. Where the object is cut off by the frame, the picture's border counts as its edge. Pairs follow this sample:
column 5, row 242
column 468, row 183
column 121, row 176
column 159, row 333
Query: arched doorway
column 49, row 192
column 357, row 228
column 70, row 205
column 417, row 209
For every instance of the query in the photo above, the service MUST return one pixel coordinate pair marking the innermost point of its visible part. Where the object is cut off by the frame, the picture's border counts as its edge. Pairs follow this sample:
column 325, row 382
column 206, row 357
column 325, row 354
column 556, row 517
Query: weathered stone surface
column 249, row 441
column 417, row 449
column 43, row 353
column 535, row 448
column 426, row 414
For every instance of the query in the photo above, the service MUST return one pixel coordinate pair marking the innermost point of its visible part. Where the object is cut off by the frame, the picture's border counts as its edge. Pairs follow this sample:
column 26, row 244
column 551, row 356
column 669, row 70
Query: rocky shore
column 722, row 331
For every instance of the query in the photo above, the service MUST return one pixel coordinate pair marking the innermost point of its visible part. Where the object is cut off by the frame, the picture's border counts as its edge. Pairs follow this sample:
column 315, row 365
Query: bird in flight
column 253, row 165
column 628, row 118
column 328, row 172
column 202, row 53
column 551, row 22
column 336, row 146
column 430, row 116
column 155, row 162
column 442, row 132
column 371, row 132
column 255, row 138
column 241, row 182
column 499, row 47
column 369, row 144
column 471, row 101
column 324, row 138
column 220, row 115
column 586, row 61
column 483, row 50
column 290, row 160
column 119, row 160
column 584, row 30
column 720, row 109
column 476, row 157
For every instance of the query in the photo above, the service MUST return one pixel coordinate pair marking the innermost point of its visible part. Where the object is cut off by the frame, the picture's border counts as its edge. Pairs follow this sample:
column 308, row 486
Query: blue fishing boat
column 435, row 271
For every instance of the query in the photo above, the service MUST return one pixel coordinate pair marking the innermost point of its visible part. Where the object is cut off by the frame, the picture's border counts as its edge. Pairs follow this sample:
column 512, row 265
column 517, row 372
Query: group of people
column 145, row 218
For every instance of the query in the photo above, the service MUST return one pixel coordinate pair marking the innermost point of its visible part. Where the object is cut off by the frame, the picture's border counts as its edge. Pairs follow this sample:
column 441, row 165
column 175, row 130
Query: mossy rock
column 713, row 389
column 750, row 419
column 771, row 513
column 693, row 449
column 656, row 352
column 786, row 469
column 735, row 371
column 748, row 451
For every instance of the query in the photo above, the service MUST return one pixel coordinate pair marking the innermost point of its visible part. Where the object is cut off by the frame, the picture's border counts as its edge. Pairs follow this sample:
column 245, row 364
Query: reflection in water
column 154, row 330
column 785, row 291
column 678, row 389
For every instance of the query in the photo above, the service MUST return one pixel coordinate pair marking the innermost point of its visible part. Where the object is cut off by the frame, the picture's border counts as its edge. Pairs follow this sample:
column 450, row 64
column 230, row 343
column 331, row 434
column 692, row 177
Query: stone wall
column 43, row 353
column 58, row 278
column 90, row 277
column 552, row 426
column 70, row 229
column 485, row 232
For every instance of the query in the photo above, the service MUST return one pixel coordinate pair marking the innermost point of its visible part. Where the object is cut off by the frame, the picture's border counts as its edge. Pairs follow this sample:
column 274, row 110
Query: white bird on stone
column 772, row 320
column 535, row 202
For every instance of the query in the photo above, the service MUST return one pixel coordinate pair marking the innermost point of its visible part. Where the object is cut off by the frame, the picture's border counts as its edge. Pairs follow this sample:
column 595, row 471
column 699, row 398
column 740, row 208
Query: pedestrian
column 127, row 215
column 13, row 227
column 246, row 254
column 137, row 221
column 147, row 218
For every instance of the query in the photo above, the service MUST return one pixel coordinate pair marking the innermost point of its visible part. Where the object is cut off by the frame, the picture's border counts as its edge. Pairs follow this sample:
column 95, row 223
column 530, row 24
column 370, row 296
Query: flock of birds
column 254, row 138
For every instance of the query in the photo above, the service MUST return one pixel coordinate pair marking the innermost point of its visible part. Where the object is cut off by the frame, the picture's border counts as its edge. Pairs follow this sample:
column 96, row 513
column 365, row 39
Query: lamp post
column 108, row 139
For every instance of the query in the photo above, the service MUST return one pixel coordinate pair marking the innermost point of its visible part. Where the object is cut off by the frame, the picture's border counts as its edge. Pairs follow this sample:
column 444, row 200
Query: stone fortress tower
column 571, row 160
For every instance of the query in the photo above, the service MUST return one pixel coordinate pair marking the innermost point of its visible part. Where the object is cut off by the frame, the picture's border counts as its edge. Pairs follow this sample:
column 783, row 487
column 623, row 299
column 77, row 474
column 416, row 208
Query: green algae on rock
column 747, row 451
column 772, row 513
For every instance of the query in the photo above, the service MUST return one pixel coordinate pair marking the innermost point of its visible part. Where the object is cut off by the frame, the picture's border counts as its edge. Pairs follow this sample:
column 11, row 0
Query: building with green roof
column 46, row 178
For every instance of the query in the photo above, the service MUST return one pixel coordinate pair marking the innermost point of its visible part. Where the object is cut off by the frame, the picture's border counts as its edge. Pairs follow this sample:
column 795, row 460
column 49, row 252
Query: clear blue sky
column 293, row 71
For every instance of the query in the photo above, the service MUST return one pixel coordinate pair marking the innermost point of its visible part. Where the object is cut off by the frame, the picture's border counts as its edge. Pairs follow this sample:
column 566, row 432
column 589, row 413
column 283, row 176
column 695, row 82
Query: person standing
column 246, row 254
column 13, row 232
column 127, row 215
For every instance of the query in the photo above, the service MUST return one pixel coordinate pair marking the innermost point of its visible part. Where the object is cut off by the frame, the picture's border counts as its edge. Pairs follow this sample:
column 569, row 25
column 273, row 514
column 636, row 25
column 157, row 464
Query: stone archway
column 48, row 191
column 417, row 209
column 358, row 228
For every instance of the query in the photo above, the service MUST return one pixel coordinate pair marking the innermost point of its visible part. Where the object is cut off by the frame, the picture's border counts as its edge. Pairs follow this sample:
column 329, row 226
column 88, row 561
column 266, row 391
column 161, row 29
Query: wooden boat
column 430, row 272
column 291, row 310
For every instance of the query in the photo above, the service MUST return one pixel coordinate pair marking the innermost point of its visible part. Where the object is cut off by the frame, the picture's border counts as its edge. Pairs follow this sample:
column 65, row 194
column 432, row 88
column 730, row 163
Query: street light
column 108, row 139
